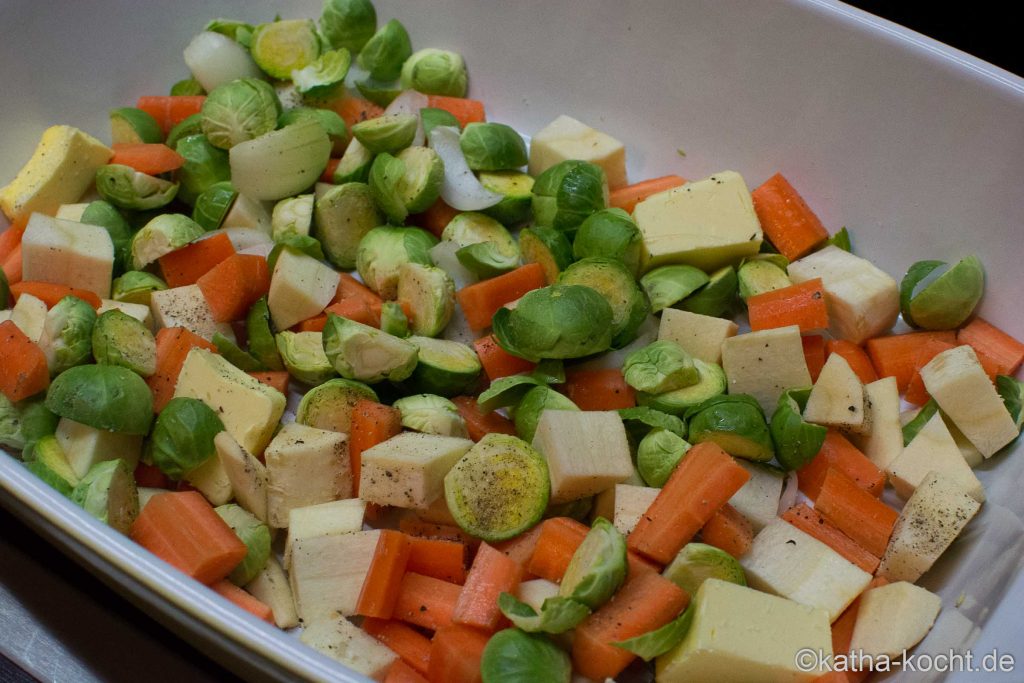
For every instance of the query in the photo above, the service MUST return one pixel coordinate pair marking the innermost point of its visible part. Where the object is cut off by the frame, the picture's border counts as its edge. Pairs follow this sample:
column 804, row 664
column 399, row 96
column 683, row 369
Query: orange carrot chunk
column 13, row 266
column 838, row 452
column 646, row 601
column 182, row 529
column 728, row 530
column 455, row 655
column 1004, row 350
column 480, row 301
column 855, row 512
column 274, row 378
column 152, row 159
column 897, row 355
column 786, row 219
column 858, row 359
column 328, row 175
column 234, row 285
column 170, row 110
column 435, row 219
column 372, row 423
column 604, row 389
column 400, row 672
column 462, row 108
column 406, row 642
column 351, row 288
column 814, row 354
column 24, row 372
column 811, row 522
column 556, row 543
column 380, row 587
column 172, row 346
column 479, row 423
column 50, row 293
column 185, row 266
column 497, row 361
column 355, row 109
column 916, row 392
column 626, row 198
column 520, row 549
column 702, row 483
column 10, row 238
column 414, row 526
column 425, row 601
column 492, row 574
column 802, row 304
column 250, row 604
column 438, row 558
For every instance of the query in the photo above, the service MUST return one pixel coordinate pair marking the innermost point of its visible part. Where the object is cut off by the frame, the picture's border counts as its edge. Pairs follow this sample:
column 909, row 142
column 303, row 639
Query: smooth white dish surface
column 917, row 148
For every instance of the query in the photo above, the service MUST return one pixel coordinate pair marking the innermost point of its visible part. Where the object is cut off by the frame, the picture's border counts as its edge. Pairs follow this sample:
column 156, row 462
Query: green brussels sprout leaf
column 513, row 656
column 598, row 567
column 658, row 454
column 659, row 641
column 557, row 614
column 659, row 367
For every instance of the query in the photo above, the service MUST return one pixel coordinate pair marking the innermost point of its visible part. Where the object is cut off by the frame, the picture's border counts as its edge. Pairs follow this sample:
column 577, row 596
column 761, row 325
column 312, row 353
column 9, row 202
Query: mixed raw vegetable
column 532, row 442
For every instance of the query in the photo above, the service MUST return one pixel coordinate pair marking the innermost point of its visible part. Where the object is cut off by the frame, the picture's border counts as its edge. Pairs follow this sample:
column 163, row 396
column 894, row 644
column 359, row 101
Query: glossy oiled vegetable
column 384, row 54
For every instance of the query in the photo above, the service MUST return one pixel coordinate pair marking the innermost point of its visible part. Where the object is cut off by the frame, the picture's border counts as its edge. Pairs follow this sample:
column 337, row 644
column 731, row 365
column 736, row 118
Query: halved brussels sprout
column 435, row 72
column 108, row 493
column 448, row 368
column 669, row 285
column 658, row 454
column 304, row 357
column 945, row 302
column 560, row 321
column 598, row 567
column 421, row 181
column 137, row 287
column 534, row 402
column 384, row 249
column 366, row 354
column 716, row 298
column 431, row 414
column 429, row 293
column 343, row 216
column 557, row 614
column 734, row 422
column 127, row 188
column 507, row 391
column 760, row 276
column 292, row 216
column 567, row 193
column 204, row 167
column 492, row 147
column 325, row 76
column 331, row 121
column 485, row 247
column 515, row 495
column 191, row 125
column 329, row 405
column 712, row 383
column 610, row 233
column 240, row 110
column 615, row 283
column 393, row 319
column 104, row 397
column 119, row 339
column 236, row 355
column 431, row 117
column 348, row 24
column 68, row 334
column 517, row 190
column 659, row 367
column 548, row 247
column 380, row 93
column 262, row 345
column 697, row 562
column 161, row 236
column 187, row 87
column 384, row 54
column 129, row 126
column 213, row 205
column 355, row 164
column 387, row 133
column 284, row 46
column 796, row 440
column 256, row 537
column 513, row 656
column 183, row 435
column 48, row 461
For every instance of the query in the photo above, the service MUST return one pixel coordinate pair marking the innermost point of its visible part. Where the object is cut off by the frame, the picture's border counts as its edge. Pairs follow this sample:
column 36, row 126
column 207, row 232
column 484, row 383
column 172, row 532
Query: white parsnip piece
column 408, row 469
column 586, row 452
column 837, row 399
column 933, row 449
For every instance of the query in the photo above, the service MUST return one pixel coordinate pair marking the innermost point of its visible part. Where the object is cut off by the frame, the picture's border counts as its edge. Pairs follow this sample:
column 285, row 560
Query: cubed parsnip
column 623, row 505
column 786, row 561
column 140, row 312
column 958, row 383
column 931, row 520
column 408, row 469
column 700, row 335
column 343, row 641
column 566, row 138
column 67, row 253
column 766, row 363
column 883, row 440
column 300, row 288
column 708, row 223
column 61, row 169
column 863, row 301
column 967, row 449
column 86, row 446
column 437, row 512
column 248, row 476
column 305, row 466
column 325, row 519
column 586, row 451
column 29, row 314
column 933, row 449
column 211, row 479
column 271, row 587
column 536, row 591
column 71, row 212
column 758, row 499
column 837, row 399
column 893, row 618
column 249, row 409
column 327, row 572
column 740, row 634
column 186, row 307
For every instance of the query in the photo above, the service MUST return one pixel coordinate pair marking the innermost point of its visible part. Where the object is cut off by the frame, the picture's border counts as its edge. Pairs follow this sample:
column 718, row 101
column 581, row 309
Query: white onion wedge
column 215, row 59
column 244, row 240
column 443, row 255
column 790, row 490
column 410, row 102
column 461, row 190
column 281, row 163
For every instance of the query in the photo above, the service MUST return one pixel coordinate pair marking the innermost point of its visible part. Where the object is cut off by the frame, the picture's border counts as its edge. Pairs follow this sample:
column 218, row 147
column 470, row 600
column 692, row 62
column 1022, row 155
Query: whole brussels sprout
column 383, row 250
column 658, row 454
column 659, row 367
column 567, row 193
column 348, row 24
column 598, row 567
column 204, row 167
column 384, row 54
column 213, row 205
column 387, row 133
column 610, row 233
column 736, row 423
column 240, row 110
column 435, row 72
column 68, row 330
column 104, row 397
column 325, row 76
column 283, row 46
column 431, row 414
column 946, row 302
column 610, row 279
column 127, row 188
column 119, row 339
column 533, row 404
column 560, row 321
column 183, row 435
column 492, row 147
column 366, row 354
column 137, row 287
